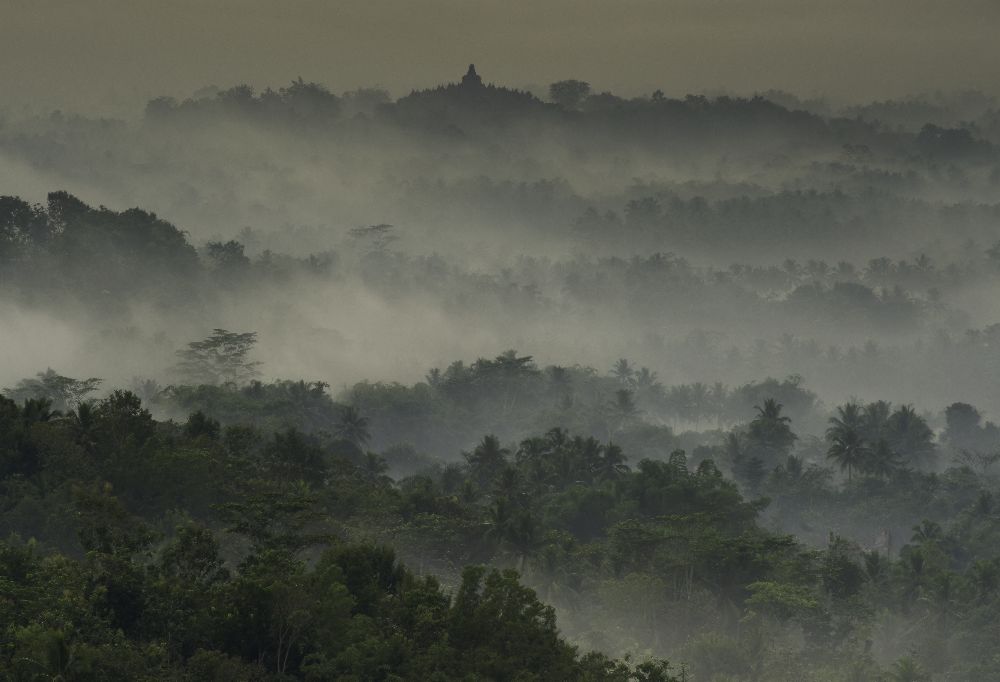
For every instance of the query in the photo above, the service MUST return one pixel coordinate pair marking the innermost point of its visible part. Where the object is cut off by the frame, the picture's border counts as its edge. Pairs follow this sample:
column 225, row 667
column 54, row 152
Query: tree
column 875, row 420
column 611, row 463
column 275, row 516
column 849, row 419
column 222, row 358
column 227, row 257
column 622, row 411
column 493, row 613
column 569, row 94
column 122, row 425
column 974, row 459
column 374, row 239
column 769, row 436
column 487, row 460
column 910, row 437
column 882, row 461
column 353, row 427
column 849, row 450
column 65, row 393
column 964, row 430
column 624, row 372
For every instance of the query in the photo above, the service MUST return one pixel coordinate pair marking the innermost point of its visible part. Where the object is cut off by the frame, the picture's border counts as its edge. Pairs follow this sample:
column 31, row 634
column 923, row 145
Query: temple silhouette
column 471, row 79
column 467, row 103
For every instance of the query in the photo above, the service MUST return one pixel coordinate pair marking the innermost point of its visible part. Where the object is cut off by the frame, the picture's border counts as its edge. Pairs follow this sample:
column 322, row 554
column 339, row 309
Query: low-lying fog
column 853, row 247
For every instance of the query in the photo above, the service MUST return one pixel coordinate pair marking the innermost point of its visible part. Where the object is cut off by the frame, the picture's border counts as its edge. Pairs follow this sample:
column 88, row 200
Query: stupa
column 471, row 79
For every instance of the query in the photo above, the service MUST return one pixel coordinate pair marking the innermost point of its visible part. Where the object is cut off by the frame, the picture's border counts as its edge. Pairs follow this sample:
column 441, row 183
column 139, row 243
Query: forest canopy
column 496, row 383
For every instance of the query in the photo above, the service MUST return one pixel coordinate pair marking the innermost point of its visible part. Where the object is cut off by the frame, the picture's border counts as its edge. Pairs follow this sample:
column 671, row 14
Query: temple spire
column 471, row 79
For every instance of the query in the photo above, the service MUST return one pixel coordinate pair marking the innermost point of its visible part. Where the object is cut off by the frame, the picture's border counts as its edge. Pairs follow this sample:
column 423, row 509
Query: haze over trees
column 487, row 383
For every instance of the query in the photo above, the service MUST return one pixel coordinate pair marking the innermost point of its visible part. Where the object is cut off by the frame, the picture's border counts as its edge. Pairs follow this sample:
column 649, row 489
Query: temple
column 471, row 79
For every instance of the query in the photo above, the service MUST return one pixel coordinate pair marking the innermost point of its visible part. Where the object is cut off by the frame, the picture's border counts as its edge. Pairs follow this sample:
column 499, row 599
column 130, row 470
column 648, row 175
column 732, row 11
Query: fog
column 535, row 228
column 705, row 347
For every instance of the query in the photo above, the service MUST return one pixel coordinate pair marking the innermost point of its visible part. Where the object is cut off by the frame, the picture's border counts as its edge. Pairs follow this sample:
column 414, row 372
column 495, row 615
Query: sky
column 110, row 56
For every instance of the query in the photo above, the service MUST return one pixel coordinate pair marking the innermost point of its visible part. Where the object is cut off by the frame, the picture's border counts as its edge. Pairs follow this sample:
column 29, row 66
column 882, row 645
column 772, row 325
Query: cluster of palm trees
column 876, row 440
column 514, row 479
column 545, row 463
column 698, row 402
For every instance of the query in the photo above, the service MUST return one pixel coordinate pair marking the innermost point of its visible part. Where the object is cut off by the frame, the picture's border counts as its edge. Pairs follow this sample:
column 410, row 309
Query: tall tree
column 569, row 94
column 222, row 358
column 850, row 451
column 65, row 393
column 769, row 436
column 487, row 460
column 353, row 427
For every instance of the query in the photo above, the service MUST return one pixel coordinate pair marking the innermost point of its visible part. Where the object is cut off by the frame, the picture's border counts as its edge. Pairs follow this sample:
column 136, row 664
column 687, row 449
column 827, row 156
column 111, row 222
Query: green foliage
column 222, row 358
column 210, row 547
column 64, row 393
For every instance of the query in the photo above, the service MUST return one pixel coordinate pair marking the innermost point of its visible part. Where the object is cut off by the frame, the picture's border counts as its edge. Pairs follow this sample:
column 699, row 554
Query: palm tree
column 700, row 398
column 624, row 372
column 875, row 420
column 850, row 451
column 622, row 411
column 84, row 426
column 487, row 460
column 909, row 434
column 353, row 427
column 38, row 410
column 927, row 531
column 769, row 434
column 611, row 463
column 771, row 412
column 508, row 483
column 645, row 378
column 533, row 458
column 882, row 462
column 849, row 419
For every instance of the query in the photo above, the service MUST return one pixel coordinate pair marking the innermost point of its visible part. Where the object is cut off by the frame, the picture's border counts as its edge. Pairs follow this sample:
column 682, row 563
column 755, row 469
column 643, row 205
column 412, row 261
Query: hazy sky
column 112, row 54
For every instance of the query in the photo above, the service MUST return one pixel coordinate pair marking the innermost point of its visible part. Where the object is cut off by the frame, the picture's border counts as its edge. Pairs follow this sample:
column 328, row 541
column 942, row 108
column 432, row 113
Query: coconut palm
column 875, row 420
column 621, row 411
column 769, row 436
column 882, row 462
column 353, row 427
column 850, row 418
column 624, row 372
column 909, row 435
column 850, row 451
column 487, row 460
column 611, row 463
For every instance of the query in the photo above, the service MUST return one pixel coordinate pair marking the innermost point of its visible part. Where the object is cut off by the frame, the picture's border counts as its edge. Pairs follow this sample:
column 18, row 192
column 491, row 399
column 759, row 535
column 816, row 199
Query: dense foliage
column 790, row 476
column 257, row 546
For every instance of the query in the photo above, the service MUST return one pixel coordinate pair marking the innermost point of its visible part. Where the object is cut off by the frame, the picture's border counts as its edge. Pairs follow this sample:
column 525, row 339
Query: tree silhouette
column 569, row 94
column 353, row 427
column 850, row 451
column 487, row 460
column 220, row 359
